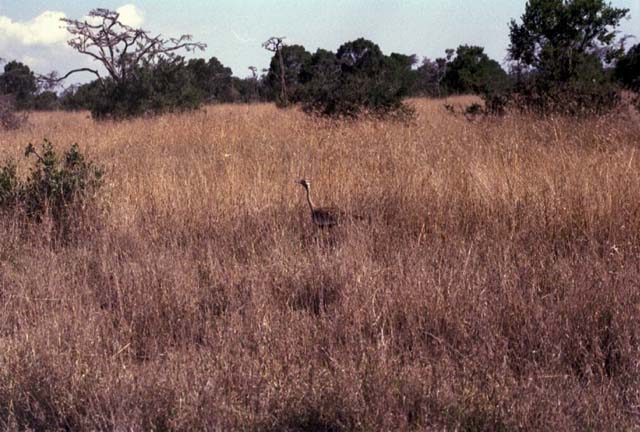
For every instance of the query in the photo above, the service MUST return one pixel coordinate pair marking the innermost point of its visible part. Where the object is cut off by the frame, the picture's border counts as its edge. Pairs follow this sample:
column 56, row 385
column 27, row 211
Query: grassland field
column 494, row 285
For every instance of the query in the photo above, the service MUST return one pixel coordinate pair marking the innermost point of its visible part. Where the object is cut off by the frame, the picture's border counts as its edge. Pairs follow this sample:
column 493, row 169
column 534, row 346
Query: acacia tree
column 134, row 60
column 119, row 47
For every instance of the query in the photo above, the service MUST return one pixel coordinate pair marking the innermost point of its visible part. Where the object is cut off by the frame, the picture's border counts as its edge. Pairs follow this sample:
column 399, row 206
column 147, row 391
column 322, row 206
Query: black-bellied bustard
column 324, row 217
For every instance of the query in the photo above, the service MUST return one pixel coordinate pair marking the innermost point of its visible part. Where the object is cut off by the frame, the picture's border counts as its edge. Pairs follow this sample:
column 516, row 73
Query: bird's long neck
column 311, row 206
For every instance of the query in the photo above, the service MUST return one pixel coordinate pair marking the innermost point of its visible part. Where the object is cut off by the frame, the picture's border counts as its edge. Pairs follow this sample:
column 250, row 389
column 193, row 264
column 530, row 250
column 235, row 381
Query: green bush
column 472, row 72
column 57, row 186
column 166, row 86
column 561, row 49
column 358, row 79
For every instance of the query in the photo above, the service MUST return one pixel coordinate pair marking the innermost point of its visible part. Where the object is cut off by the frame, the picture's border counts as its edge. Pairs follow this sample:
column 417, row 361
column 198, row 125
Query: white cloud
column 131, row 15
column 45, row 29
column 41, row 41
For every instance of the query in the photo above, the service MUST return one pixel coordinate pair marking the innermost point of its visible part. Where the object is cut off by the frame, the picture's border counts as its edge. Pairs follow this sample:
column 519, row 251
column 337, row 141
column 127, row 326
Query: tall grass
column 495, row 287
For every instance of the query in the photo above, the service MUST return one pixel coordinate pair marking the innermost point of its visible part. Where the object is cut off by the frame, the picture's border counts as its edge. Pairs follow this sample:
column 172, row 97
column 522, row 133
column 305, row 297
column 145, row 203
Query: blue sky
column 235, row 29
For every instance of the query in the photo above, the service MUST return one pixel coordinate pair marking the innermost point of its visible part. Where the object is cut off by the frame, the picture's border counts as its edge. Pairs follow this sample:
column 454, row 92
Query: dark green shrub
column 294, row 58
column 166, row 86
column 628, row 69
column 561, row 48
column 472, row 71
column 358, row 79
column 57, row 186
column 46, row 101
column 19, row 81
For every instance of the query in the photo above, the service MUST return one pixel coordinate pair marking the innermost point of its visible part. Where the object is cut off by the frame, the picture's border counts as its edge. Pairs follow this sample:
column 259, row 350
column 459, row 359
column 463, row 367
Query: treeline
column 564, row 57
column 357, row 76
column 358, row 68
column 180, row 82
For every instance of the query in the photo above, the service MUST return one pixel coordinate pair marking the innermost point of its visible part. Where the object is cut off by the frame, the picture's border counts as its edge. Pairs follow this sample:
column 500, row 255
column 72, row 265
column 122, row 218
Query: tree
column 124, row 52
column 250, row 89
column 212, row 78
column 561, row 46
column 472, row 71
column 275, row 45
column 321, row 78
column 429, row 76
column 359, row 77
column 401, row 66
column 152, row 88
column 81, row 97
column 627, row 69
column 19, row 81
column 292, row 59
column 46, row 101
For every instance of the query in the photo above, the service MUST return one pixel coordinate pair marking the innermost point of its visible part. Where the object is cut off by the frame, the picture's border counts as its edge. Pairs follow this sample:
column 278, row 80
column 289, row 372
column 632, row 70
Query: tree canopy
column 561, row 46
column 294, row 58
column 20, row 81
column 472, row 71
column 139, row 66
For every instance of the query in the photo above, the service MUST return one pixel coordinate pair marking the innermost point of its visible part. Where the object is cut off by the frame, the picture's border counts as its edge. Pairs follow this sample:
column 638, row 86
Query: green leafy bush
column 166, row 86
column 57, row 186
column 472, row 72
column 357, row 79
column 561, row 49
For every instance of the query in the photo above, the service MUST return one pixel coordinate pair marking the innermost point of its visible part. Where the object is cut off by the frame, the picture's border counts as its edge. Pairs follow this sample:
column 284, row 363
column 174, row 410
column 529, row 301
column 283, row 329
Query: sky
column 31, row 32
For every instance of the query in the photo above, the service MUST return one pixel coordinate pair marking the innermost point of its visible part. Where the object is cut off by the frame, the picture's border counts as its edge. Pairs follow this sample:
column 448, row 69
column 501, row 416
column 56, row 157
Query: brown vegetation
column 496, row 286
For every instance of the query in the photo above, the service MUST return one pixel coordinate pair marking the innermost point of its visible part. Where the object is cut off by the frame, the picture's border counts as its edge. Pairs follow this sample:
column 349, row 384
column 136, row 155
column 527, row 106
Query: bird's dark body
column 326, row 217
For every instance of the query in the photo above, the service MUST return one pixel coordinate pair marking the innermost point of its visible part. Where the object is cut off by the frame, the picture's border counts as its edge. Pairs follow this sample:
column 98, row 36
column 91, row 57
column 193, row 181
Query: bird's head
column 304, row 183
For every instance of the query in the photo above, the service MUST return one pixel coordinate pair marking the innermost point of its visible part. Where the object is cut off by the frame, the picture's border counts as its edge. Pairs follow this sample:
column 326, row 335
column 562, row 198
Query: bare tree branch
column 93, row 71
column 118, row 47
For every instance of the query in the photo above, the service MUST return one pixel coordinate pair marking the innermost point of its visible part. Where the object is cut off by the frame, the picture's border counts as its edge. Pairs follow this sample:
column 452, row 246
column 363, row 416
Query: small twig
column 121, row 350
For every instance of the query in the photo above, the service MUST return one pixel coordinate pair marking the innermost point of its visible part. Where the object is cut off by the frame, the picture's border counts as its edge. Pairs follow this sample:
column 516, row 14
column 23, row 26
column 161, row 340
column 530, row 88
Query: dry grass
column 496, row 287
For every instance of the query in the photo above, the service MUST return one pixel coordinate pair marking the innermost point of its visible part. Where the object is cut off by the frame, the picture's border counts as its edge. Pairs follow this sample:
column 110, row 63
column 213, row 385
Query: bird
column 324, row 217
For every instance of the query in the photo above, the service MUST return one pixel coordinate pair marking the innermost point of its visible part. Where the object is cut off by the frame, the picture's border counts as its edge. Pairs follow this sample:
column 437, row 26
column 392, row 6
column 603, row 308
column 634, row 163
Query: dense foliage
column 294, row 58
column 472, row 71
column 565, row 58
column 357, row 78
column 628, row 68
column 19, row 81
column 150, row 89
column 560, row 48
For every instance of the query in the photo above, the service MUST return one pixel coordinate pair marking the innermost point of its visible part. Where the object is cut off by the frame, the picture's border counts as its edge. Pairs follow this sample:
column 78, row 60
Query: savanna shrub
column 151, row 89
column 358, row 79
column 57, row 186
